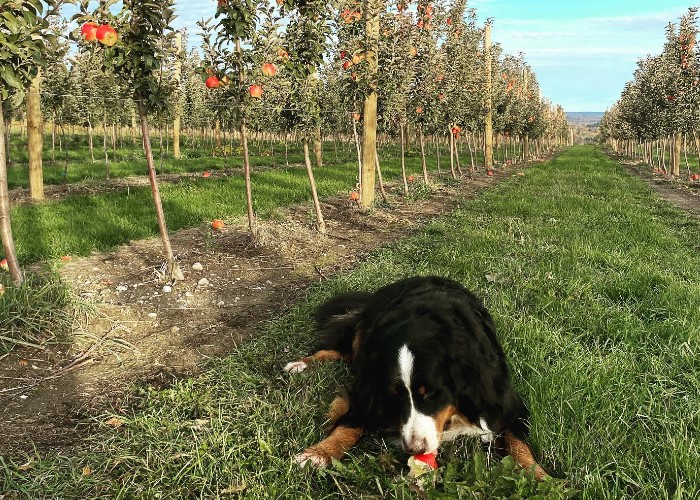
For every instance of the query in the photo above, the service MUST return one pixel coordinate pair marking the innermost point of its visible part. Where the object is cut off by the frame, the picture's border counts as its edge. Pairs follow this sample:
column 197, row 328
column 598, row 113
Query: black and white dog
column 427, row 368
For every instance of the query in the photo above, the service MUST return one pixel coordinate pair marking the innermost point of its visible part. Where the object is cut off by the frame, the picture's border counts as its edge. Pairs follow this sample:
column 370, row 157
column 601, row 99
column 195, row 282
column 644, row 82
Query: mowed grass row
column 74, row 164
column 592, row 282
column 80, row 224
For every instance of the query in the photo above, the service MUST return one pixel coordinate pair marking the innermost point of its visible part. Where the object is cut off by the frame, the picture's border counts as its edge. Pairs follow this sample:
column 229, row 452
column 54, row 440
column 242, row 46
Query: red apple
column 428, row 459
column 347, row 64
column 217, row 224
column 269, row 69
column 89, row 32
column 3, row 265
column 356, row 116
column 419, row 110
column 354, row 196
column 255, row 91
column 212, row 82
column 106, row 35
column 411, row 178
column 490, row 173
column 206, row 174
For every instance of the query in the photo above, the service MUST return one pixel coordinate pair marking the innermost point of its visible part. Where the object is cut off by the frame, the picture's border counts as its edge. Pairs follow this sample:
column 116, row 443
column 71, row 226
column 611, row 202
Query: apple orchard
column 373, row 79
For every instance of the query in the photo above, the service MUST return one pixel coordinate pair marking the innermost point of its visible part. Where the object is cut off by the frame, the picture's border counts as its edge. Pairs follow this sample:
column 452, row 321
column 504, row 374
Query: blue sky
column 582, row 51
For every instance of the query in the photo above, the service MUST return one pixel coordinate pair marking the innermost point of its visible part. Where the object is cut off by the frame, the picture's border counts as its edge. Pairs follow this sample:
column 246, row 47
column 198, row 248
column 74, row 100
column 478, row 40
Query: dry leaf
column 23, row 362
column 87, row 470
column 491, row 278
column 115, row 422
column 26, row 466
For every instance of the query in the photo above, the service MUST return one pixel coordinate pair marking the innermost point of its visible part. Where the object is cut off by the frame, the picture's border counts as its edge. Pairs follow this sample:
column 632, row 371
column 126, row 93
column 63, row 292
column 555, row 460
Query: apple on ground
column 354, row 196
column 106, row 35
column 207, row 173
column 3, row 265
column 490, row 173
column 89, row 32
column 217, row 224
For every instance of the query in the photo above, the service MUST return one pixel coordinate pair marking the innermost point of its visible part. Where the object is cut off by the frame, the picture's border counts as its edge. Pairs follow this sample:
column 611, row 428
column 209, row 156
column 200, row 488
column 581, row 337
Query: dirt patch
column 680, row 192
column 143, row 332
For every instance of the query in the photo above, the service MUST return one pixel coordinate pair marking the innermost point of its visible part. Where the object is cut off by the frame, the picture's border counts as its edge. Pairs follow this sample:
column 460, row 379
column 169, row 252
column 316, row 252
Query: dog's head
column 406, row 387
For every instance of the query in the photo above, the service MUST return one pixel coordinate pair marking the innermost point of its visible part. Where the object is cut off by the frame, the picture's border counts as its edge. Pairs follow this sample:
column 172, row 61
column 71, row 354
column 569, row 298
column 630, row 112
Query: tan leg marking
column 321, row 454
column 317, row 357
column 339, row 407
column 523, row 455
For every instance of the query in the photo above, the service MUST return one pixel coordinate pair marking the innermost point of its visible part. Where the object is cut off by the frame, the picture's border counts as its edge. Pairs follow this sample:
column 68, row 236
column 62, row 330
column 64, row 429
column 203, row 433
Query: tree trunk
column 174, row 272
column 8, row 243
column 90, row 142
column 252, row 226
column 676, row 163
column 178, row 110
column 35, row 140
column 318, row 147
column 359, row 155
column 379, row 176
column 320, row 223
column 422, row 153
column 488, row 126
column 403, row 160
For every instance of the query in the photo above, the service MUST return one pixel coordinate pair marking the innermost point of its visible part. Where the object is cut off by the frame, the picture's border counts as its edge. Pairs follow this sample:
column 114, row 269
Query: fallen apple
column 3, row 265
column 217, row 224
column 490, row 173
column 206, row 174
column 354, row 196
column 106, row 35
column 89, row 32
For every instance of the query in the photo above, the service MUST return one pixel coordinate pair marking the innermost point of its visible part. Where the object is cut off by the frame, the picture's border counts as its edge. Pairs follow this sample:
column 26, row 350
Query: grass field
column 80, row 224
column 592, row 281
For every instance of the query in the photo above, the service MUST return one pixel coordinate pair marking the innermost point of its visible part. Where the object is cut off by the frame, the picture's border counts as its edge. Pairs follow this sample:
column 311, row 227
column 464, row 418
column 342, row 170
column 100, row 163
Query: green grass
column 592, row 281
column 80, row 224
column 41, row 309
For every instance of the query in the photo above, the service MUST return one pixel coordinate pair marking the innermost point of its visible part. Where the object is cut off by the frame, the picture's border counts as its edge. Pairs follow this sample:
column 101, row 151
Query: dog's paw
column 296, row 367
column 310, row 457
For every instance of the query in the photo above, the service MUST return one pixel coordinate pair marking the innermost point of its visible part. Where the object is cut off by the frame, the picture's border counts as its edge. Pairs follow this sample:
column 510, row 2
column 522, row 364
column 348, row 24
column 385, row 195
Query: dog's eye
column 426, row 392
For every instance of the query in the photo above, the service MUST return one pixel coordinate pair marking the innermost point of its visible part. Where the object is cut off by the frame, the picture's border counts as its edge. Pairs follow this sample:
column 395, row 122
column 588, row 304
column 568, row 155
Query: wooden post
column 488, row 125
column 369, row 132
column 35, row 140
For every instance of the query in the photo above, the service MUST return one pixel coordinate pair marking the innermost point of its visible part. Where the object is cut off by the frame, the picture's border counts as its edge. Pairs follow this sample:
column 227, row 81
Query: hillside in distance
column 584, row 117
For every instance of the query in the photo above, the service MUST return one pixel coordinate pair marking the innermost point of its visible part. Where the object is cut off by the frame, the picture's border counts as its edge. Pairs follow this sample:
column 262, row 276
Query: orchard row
column 657, row 115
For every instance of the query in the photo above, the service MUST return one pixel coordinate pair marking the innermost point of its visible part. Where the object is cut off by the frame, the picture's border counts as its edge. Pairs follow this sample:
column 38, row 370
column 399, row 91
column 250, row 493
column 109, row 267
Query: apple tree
column 26, row 37
column 136, row 43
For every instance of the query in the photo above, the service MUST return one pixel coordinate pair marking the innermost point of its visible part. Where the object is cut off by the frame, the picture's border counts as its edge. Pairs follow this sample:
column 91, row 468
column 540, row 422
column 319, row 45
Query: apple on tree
column 212, row 82
column 256, row 91
column 106, row 35
column 89, row 32
column 269, row 69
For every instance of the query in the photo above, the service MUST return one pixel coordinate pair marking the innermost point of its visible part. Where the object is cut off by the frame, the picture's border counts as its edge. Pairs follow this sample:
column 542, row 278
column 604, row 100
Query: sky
column 583, row 52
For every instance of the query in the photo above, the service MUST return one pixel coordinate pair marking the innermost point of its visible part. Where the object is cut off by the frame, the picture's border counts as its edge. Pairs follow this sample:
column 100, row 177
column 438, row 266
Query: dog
column 427, row 367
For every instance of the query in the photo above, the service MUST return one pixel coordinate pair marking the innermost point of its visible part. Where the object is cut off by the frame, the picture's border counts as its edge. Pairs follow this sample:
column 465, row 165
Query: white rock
column 167, row 289
column 203, row 282
column 152, row 315
column 197, row 266
column 122, row 288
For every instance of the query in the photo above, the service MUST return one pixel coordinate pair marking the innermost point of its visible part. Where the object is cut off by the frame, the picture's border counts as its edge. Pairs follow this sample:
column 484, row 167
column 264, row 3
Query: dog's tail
column 337, row 320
